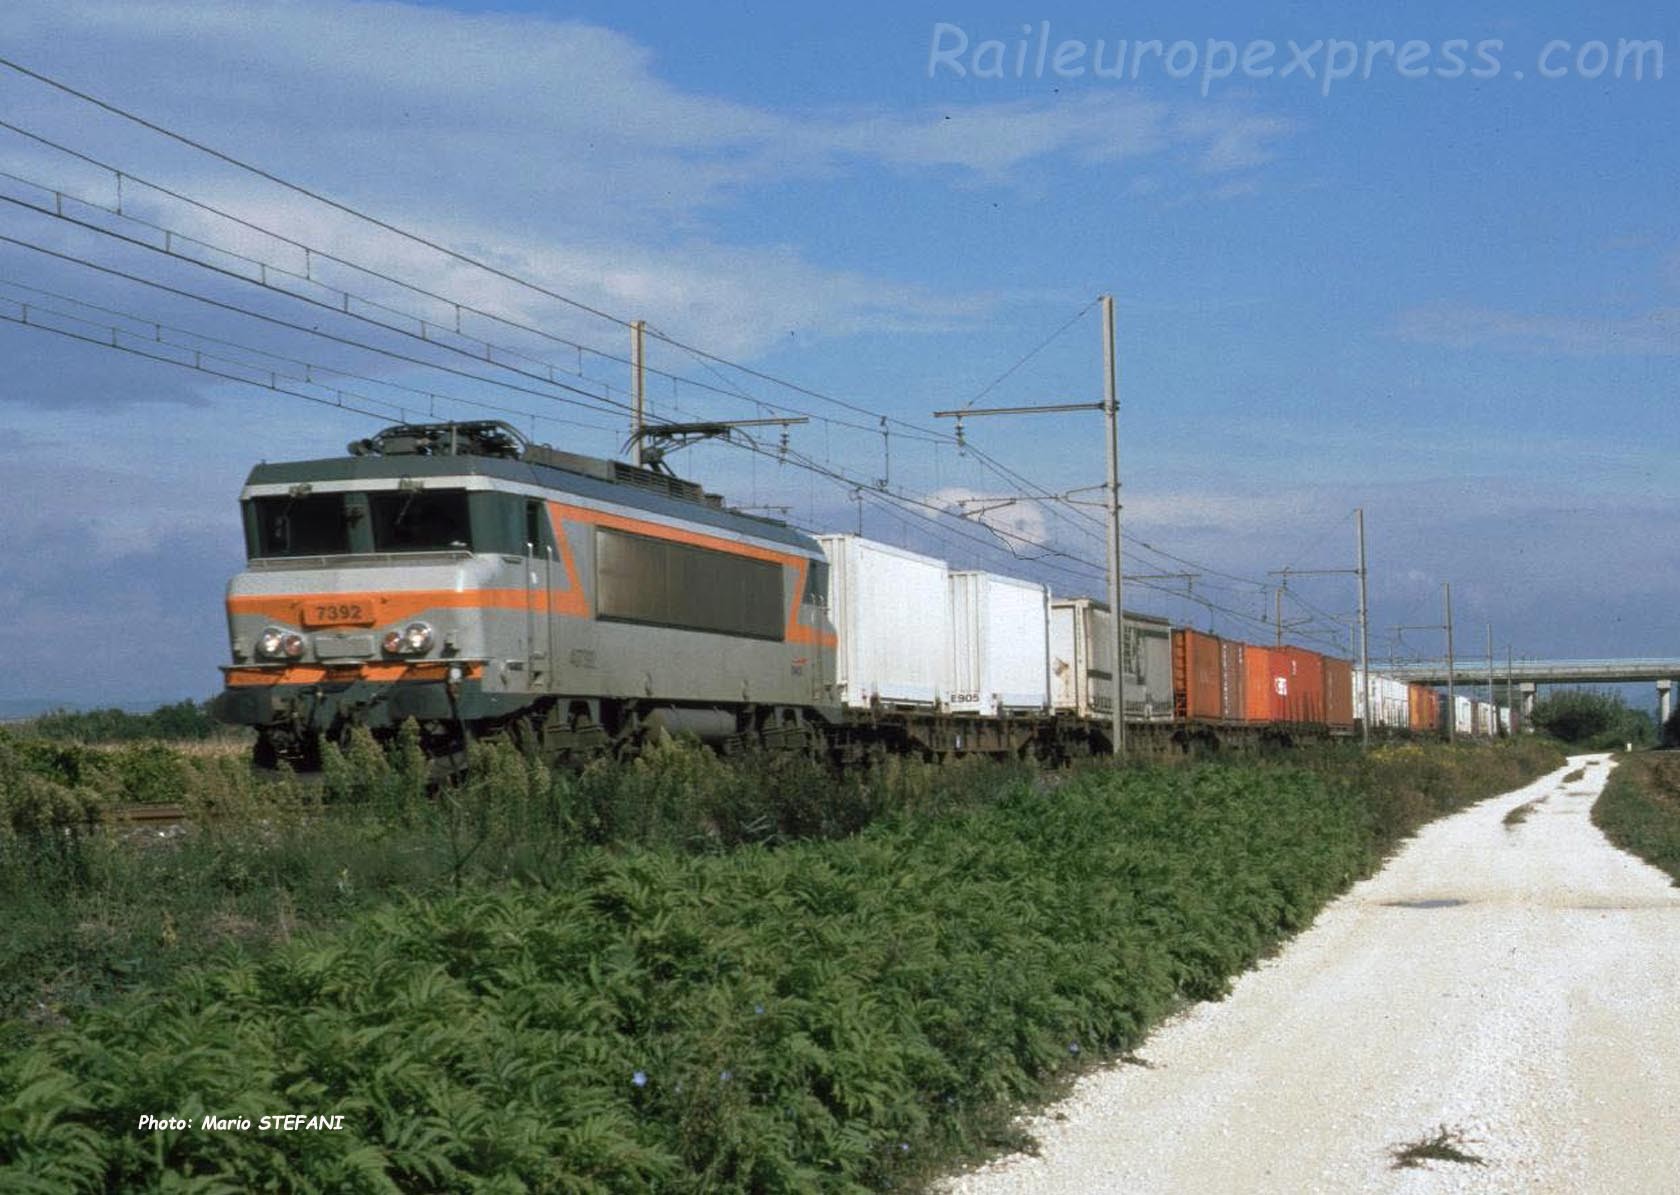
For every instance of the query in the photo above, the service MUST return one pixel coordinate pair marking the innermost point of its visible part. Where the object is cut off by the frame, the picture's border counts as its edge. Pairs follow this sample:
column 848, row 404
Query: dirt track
column 1520, row 984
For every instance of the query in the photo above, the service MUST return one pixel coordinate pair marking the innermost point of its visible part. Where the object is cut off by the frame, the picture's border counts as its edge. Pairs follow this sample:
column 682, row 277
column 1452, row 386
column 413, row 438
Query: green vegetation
column 674, row 975
column 93, row 907
column 1639, row 809
column 185, row 721
column 130, row 773
column 1593, row 720
column 1518, row 814
column 1443, row 1145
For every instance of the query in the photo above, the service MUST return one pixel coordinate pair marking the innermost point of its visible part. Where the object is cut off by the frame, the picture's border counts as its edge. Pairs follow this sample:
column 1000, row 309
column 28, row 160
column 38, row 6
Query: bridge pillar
column 1664, row 689
column 1526, row 688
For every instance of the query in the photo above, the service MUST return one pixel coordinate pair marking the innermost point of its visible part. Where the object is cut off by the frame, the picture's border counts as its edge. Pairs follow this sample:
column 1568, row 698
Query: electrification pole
column 1491, row 704
column 1452, row 706
column 638, row 387
column 1361, row 646
column 1364, row 635
column 1510, row 691
column 1110, row 407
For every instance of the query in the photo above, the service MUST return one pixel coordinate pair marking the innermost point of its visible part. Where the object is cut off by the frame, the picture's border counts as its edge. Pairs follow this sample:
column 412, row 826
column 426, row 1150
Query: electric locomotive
column 485, row 586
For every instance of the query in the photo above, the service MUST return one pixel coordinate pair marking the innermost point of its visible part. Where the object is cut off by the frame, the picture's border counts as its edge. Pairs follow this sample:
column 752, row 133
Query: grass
column 1639, row 809
column 678, row 975
column 1577, row 774
column 1518, row 814
column 1443, row 1145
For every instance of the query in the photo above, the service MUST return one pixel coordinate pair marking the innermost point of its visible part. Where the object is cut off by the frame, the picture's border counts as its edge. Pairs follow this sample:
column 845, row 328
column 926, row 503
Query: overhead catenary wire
column 312, row 253
column 418, row 238
column 924, row 511
column 310, row 368
column 295, row 327
column 198, row 364
column 342, row 308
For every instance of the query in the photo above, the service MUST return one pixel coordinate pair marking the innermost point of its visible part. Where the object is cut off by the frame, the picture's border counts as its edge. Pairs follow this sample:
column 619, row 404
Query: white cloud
column 995, row 140
column 557, row 144
column 1653, row 333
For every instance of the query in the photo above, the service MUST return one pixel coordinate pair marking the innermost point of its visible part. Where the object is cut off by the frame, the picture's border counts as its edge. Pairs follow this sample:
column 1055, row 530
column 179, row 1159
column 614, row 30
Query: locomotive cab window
column 420, row 520
column 539, row 536
column 816, row 583
column 300, row 525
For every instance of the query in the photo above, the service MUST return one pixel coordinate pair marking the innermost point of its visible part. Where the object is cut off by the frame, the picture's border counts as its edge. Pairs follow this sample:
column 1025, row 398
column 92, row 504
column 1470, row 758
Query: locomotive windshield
column 419, row 520
column 345, row 523
column 306, row 525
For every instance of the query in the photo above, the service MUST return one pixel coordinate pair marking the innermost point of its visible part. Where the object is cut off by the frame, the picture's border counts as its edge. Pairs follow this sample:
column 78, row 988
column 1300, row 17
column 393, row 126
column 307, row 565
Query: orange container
column 1197, row 687
column 1338, row 692
column 1303, row 696
column 1423, row 706
column 1261, row 700
column 1233, row 669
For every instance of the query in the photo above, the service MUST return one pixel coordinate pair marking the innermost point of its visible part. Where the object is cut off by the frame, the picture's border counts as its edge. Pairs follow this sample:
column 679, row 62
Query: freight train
column 490, row 588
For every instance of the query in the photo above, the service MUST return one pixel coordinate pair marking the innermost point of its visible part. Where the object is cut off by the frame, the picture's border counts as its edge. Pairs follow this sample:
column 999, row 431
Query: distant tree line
column 1595, row 719
column 185, row 720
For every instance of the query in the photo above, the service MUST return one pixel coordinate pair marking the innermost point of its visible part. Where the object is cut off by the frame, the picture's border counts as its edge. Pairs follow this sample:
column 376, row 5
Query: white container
column 1081, row 677
column 1390, row 701
column 892, row 612
column 1463, row 715
column 1000, row 645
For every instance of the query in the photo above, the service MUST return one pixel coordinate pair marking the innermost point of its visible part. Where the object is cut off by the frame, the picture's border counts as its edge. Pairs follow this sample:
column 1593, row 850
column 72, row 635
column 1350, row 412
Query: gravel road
column 1519, row 984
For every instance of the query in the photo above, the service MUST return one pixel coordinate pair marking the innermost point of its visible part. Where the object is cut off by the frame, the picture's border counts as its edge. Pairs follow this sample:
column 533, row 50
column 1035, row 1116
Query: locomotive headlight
column 412, row 640
column 272, row 642
column 292, row 644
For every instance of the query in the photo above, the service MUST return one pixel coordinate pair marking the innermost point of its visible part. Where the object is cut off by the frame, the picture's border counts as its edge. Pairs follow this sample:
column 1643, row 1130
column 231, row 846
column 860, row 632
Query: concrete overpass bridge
column 1528, row 674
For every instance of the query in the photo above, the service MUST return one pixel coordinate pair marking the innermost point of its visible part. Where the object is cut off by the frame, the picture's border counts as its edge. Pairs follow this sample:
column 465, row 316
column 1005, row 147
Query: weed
column 1577, row 774
column 1518, row 814
column 1443, row 1145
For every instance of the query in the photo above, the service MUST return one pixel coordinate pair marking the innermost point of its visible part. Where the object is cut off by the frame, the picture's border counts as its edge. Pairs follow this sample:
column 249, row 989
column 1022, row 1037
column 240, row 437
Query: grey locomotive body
column 458, row 576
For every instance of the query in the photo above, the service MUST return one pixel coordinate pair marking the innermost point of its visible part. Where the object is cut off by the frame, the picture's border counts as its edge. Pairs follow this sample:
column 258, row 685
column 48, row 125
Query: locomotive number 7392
column 327, row 614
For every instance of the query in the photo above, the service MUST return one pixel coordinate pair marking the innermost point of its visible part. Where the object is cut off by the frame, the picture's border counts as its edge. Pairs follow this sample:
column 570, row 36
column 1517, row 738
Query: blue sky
column 1454, row 301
